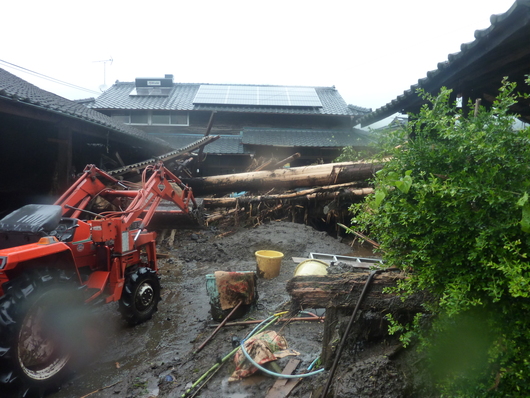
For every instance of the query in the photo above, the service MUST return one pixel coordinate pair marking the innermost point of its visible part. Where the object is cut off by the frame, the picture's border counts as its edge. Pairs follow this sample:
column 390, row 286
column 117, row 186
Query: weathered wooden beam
column 283, row 162
column 206, row 134
column 282, row 387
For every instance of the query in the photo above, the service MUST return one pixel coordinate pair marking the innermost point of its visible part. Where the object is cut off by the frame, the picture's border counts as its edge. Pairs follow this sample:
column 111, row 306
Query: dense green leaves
column 451, row 207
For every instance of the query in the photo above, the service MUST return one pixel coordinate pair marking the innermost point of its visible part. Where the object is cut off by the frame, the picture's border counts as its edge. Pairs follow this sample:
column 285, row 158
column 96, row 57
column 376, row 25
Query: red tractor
column 90, row 246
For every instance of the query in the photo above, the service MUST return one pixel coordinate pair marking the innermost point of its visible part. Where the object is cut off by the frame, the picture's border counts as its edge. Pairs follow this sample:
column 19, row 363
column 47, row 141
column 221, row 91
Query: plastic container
column 311, row 267
column 269, row 263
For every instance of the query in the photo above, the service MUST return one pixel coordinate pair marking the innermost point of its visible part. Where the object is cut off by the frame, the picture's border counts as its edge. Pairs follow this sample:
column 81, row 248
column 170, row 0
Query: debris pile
column 212, row 275
column 162, row 358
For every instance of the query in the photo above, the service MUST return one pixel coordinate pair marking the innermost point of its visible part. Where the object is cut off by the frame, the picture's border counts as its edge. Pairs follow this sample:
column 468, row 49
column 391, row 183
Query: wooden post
column 171, row 238
column 207, row 133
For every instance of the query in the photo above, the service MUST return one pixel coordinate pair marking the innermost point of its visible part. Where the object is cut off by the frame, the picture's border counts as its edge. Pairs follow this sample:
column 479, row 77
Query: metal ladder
column 361, row 262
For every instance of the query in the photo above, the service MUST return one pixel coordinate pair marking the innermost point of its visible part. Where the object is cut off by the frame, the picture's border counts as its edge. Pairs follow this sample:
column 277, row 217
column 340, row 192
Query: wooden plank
column 282, row 387
column 286, row 389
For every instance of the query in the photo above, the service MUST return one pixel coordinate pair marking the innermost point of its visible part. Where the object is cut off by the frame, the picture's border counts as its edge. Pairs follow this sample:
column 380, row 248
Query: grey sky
column 370, row 50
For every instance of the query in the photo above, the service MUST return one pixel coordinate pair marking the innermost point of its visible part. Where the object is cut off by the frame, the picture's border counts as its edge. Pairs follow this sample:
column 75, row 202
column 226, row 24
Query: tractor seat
column 32, row 219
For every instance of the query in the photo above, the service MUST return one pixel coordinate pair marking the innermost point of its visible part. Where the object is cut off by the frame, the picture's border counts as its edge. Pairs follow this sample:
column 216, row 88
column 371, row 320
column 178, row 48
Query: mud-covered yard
column 156, row 359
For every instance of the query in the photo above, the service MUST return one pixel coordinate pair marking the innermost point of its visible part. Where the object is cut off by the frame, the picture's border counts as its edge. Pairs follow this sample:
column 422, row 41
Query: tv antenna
column 104, row 86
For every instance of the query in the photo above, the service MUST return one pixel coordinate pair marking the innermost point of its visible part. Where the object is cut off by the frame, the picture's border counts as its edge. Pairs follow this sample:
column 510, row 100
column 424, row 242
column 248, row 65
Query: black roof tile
column 304, row 138
column 226, row 144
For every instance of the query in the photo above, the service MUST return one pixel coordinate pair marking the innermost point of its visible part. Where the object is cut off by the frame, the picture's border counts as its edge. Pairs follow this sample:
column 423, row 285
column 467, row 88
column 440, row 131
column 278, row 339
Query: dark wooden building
column 47, row 139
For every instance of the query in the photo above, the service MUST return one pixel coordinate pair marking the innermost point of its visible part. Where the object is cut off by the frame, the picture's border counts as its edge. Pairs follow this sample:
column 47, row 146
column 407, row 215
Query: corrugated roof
column 182, row 95
column 511, row 27
column 304, row 138
column 20, row 91
column 225, row 145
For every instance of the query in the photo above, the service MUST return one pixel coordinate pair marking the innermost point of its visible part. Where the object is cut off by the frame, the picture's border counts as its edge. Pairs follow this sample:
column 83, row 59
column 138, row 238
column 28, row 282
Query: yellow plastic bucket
column 269, row 263
column 311, row 267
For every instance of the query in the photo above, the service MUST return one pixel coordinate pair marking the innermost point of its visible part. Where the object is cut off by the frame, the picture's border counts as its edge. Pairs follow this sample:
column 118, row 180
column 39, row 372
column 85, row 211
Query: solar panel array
column 257, row 96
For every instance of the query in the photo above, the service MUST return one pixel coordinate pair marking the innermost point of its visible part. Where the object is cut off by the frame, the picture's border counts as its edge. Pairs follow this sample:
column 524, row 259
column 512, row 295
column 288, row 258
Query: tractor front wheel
column 140, row 296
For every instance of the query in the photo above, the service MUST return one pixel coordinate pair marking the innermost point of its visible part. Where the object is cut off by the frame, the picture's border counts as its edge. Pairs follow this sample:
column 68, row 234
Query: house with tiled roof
column 47, row 139
column 252, row 120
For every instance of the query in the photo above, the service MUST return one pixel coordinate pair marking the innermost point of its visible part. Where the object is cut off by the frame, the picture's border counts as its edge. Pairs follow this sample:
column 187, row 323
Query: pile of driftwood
column 316, row 195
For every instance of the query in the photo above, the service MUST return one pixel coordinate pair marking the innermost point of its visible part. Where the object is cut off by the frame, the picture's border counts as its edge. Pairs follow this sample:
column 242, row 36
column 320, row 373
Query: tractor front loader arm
column 144, row 201
column 92, row 182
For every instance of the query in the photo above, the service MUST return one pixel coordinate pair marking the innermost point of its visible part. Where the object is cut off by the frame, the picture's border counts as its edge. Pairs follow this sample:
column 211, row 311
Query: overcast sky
column 370, row 50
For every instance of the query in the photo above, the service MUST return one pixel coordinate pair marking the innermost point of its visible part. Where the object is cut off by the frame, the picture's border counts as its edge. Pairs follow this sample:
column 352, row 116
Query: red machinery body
column 98, row 247
column 92, row 245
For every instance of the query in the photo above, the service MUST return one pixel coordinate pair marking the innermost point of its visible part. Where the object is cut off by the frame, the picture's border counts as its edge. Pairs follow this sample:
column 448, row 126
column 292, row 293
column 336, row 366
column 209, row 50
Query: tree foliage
column 451, row 208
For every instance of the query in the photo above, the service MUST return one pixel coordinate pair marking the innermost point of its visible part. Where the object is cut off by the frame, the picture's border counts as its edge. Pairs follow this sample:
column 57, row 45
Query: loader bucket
column 169, row 216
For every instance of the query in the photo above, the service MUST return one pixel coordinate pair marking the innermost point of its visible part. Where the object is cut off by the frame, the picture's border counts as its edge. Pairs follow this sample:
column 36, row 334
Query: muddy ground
column 156, row 359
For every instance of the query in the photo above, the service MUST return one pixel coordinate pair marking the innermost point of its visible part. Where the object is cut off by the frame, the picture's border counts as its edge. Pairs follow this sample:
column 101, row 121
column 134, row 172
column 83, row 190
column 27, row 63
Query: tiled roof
column 237, row 144
column 359, row 110
column 226, row 145
column 304, row 138
column 181, row 99
column 20, row 91
column 510, row 28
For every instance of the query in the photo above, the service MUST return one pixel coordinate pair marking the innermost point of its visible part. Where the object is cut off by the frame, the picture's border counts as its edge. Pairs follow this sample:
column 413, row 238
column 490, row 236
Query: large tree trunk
column 295, row 177
column 343, row 290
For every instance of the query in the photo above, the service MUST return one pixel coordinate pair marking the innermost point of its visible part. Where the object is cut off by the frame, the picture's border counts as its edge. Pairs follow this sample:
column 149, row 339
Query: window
column 121, row 117
column 139, row 118
column 160, row 118
column 180, row 118
column 155, row 118
column 171, row 118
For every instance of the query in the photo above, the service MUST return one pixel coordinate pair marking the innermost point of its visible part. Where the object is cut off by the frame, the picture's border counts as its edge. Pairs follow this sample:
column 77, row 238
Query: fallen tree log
column 295, row 177
column 323, row 193
column 343, row 290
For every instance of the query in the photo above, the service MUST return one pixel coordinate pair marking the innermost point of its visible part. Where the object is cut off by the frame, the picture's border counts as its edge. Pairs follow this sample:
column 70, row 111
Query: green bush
column 451, row 208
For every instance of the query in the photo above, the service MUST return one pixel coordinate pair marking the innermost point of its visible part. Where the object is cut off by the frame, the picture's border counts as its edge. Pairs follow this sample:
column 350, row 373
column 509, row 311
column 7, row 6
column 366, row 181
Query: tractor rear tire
column 36, row 325
column 140, row 296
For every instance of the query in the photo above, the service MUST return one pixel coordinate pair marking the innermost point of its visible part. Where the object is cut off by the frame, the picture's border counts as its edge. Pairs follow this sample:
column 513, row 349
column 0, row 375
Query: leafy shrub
column 451, row 208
